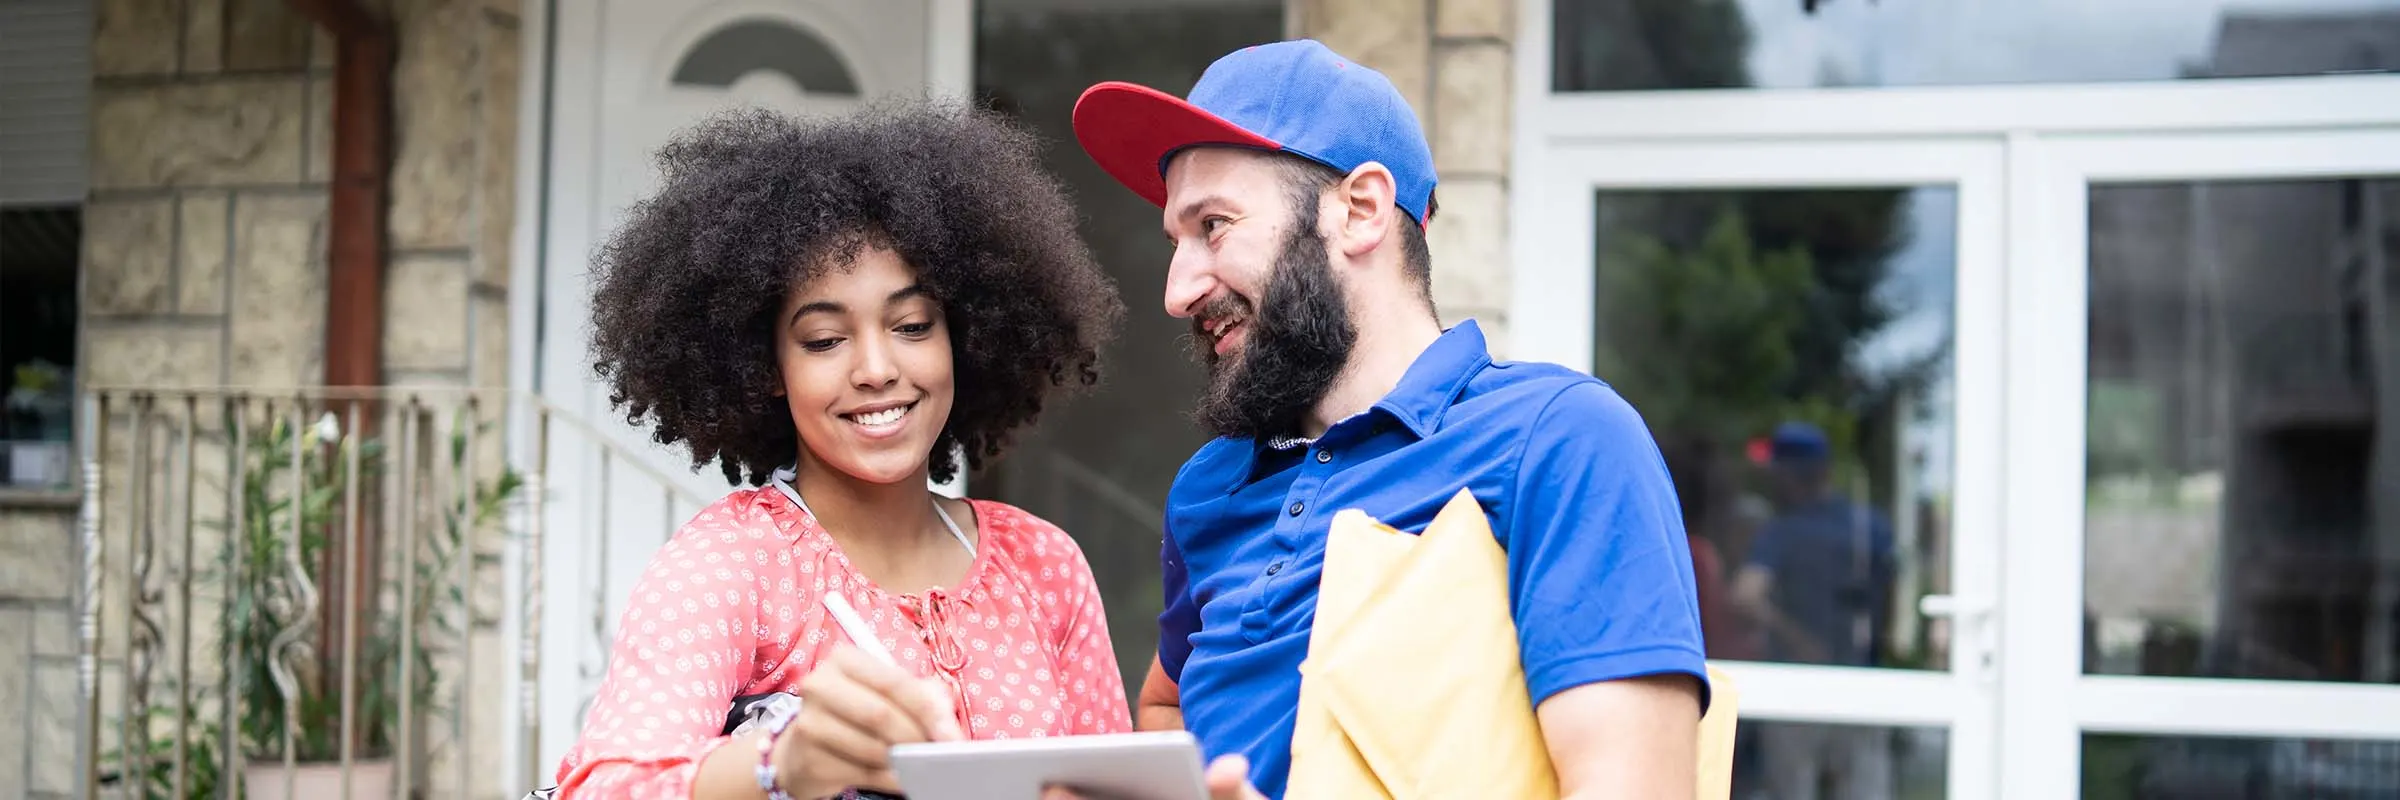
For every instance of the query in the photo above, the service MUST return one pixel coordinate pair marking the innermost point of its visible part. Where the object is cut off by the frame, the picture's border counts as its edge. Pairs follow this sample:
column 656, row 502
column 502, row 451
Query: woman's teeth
column 877, row 419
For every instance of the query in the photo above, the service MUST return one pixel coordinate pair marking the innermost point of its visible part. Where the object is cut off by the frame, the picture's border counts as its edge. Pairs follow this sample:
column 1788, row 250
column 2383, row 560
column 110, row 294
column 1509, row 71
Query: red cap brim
column 1129, row 129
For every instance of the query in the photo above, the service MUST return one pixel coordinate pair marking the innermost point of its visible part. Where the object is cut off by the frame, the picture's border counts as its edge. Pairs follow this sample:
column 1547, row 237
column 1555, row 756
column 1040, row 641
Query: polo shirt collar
column 1426, row 390
column 1431, row 384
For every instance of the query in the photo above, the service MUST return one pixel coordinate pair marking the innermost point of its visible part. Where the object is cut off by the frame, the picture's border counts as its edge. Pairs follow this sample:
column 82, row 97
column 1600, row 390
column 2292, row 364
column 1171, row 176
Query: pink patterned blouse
column 729, row 608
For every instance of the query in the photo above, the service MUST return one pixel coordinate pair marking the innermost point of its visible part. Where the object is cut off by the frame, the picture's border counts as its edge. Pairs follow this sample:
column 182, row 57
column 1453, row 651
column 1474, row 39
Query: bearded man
column 1296, row 187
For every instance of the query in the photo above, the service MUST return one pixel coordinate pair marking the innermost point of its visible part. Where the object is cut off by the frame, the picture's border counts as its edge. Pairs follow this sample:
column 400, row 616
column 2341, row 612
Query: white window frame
column 2049, row 354
column 1554, row 321
column 2052, row 137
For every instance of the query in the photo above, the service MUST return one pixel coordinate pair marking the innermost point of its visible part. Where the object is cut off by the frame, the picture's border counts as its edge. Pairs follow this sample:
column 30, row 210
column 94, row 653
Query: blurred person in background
column 1818, row 585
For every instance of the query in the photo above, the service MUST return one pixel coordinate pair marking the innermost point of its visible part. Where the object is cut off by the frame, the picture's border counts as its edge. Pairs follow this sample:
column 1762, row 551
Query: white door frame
column 1552, row 319
column 559, row 50
column 2048, row 348
column 2052, row 137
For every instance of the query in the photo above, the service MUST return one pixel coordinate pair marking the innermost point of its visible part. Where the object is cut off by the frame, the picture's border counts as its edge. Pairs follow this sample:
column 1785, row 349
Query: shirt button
column 1298, row 507
column 1324, row 456
column 1275, row 568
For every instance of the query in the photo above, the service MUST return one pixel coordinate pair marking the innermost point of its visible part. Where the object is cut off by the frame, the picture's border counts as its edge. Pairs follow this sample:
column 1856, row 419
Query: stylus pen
column 856, row 627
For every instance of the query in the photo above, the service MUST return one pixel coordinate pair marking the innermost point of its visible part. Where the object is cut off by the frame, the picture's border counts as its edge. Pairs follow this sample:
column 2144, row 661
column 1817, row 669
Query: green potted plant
column 288, row 698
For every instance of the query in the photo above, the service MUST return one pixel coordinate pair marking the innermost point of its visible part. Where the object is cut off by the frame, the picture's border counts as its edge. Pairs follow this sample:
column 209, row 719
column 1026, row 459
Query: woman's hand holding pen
column 854, row 708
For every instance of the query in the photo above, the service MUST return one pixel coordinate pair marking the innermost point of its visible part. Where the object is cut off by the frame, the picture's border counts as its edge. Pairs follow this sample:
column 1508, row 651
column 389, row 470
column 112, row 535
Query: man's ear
column 1366, row 198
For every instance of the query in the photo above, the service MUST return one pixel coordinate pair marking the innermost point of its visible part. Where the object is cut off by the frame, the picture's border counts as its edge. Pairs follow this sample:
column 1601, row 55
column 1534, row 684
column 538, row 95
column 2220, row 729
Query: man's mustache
column 1225, row 305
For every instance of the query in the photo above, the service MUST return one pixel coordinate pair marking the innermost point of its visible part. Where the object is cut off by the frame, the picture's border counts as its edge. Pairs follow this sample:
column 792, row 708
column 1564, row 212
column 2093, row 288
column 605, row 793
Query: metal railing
column 296, row 593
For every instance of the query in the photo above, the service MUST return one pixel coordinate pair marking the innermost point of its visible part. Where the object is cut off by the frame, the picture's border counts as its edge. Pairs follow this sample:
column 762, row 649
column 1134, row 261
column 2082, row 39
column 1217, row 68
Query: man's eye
column 1209, row 225
column 819, row 345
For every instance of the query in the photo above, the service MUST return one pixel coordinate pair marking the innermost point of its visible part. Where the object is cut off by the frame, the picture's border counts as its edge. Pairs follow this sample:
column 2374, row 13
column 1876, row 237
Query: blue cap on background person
column 1294, row 97
column 1799, row 443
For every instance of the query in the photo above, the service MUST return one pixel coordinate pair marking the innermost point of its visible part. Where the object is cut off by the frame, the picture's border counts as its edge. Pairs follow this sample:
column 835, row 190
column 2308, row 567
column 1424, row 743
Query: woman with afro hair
column 837, row 311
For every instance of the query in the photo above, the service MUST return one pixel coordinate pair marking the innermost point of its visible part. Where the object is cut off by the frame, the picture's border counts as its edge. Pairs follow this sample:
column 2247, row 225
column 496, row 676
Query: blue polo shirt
column 1600, row 575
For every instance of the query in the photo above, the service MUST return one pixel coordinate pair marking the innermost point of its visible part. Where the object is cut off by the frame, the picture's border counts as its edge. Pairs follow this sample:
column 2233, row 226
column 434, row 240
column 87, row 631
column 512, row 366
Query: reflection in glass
column 2242, row 513
column 1790, row 351
column 2122, row 767
column 1099, row 466
column 1611, row 45
column 1807, row 761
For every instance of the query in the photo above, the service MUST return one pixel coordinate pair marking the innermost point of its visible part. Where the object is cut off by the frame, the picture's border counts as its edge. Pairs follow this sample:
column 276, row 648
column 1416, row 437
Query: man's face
column 1252, row 274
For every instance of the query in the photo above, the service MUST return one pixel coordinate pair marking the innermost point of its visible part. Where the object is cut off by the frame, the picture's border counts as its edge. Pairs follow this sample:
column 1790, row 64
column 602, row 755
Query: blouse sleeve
column 1087, row 659
column 685, row 645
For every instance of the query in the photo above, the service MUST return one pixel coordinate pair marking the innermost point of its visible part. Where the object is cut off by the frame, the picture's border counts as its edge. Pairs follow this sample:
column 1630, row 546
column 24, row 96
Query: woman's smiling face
column 866, row 367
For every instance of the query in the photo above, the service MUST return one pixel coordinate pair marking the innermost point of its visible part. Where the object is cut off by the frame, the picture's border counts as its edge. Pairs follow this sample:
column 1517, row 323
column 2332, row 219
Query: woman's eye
column 819, row 345
column 916, row 329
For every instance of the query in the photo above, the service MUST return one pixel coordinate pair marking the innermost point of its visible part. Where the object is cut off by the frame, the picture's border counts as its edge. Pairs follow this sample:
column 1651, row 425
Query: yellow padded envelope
column 1412, row 686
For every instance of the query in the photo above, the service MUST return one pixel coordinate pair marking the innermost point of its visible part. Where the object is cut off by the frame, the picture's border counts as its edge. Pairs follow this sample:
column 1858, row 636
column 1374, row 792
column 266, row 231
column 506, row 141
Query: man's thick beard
column 1297, row 344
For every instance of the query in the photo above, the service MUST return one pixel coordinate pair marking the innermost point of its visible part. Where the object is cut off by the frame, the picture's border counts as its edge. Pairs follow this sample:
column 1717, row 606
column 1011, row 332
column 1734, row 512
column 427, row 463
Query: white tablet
column 1157, row 765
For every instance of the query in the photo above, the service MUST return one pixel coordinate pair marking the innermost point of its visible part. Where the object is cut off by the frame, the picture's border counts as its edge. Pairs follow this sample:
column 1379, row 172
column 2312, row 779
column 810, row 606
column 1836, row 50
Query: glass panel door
column 2210, row 395
column 1810, row 331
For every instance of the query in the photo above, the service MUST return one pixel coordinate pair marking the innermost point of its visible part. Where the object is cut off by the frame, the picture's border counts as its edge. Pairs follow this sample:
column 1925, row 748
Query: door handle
column 1975, row 644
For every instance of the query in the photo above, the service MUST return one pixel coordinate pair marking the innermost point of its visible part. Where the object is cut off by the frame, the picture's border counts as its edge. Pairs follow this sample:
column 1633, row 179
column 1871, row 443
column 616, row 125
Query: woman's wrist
column 770, row 774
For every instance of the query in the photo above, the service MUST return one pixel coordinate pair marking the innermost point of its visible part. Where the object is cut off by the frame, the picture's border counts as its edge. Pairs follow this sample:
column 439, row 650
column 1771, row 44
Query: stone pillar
column 1452, row 60
column 454, row 193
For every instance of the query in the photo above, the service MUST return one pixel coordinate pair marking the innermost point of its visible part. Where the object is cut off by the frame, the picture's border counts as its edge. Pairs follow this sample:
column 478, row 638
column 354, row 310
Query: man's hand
column 1228, row 779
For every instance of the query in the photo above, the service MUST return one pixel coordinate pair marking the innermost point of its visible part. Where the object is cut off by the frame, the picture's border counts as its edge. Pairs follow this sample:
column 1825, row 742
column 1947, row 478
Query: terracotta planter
column 369, row 780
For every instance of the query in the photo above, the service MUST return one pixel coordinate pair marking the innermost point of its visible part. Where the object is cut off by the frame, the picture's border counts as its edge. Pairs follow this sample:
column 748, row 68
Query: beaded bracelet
column 766, row 759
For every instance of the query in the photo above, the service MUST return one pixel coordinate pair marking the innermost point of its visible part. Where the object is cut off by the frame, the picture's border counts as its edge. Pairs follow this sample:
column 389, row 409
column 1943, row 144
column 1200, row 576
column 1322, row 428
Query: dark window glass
column 1099, row 465
column 2129, row 767
column 2242, row 515
column 39, row 250
column 1790, row 350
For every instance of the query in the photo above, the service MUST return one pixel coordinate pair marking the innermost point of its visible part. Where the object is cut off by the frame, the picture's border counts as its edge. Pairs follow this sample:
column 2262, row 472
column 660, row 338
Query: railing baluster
column 530, row 635
column 134, row 759
column 183, row 611
column 599, row 585
column 286, row 683
column 462, row 473
column 87, row 629
column 237, row 486
column 351, row 445
column 404, row 744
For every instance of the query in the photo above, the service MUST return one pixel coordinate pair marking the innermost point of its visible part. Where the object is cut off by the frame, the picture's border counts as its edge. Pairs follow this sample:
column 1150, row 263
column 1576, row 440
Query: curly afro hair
column 752, row 205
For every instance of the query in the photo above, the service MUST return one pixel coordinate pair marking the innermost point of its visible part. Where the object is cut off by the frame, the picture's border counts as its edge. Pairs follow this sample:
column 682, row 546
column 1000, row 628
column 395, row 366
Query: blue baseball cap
column 1294, row 97
column 1800, row 443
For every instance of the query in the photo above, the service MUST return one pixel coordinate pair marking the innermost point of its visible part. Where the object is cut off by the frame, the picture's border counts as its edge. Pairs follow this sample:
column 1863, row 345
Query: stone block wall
column 206, row 230
column 1452, row 60
column 37, row 647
